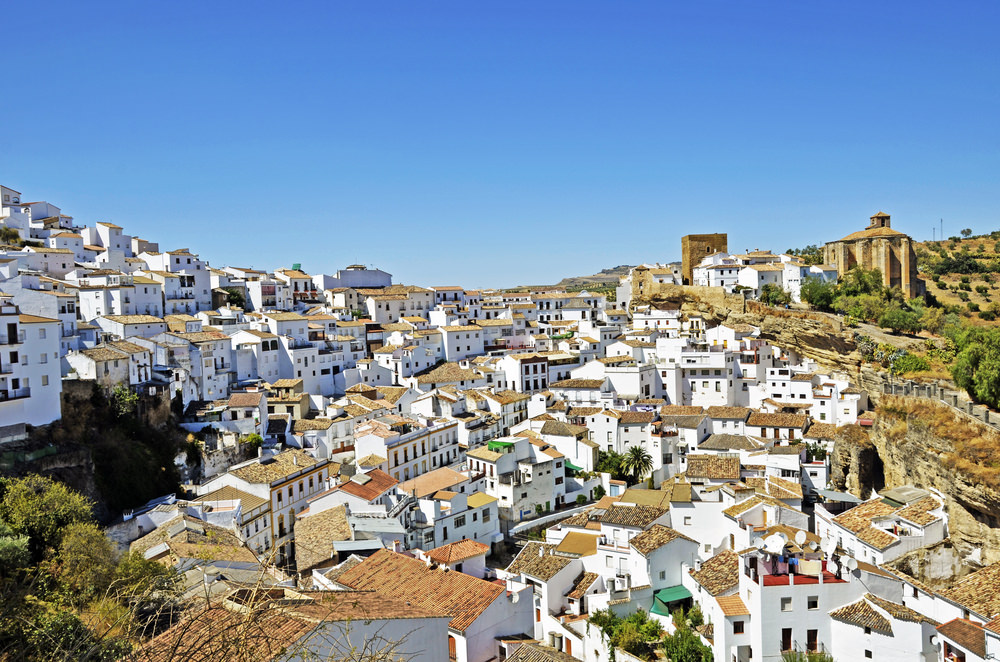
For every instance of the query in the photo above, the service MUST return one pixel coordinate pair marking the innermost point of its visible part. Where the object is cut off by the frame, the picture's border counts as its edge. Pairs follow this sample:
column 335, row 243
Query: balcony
column 14, row 393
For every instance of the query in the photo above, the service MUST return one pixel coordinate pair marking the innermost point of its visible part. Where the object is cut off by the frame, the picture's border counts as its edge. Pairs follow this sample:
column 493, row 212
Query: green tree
column 899, row 320
column 61, row 635
column 234, row 297
column 124, row 401
column 967, row 232
column 932, row 319
column 14, row 552
column 41, row 509
column 684, row 645
column 610, row 462
column 773, row 295
column 637, row 462
column 9, row 236
column 818, row 294
column 811, row 254
column 977, row 367
column 84, row 563
column 859, row 280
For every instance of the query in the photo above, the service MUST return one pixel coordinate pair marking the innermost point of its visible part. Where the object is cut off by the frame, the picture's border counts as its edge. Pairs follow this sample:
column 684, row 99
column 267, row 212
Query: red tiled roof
column 461, row 596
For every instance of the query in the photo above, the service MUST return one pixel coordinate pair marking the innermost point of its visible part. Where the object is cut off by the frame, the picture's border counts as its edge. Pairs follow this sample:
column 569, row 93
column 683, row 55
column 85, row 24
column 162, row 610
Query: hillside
column 964, row 274
column 603, row 279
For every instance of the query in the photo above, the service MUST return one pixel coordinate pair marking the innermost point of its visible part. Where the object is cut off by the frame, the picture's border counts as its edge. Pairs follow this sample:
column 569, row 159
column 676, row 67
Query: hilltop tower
column 879, row 247
column 694, row 247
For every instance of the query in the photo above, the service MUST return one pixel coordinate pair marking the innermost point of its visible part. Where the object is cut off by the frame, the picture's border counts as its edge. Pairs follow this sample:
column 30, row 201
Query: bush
column 899, row 320
column 973, row 307
column 818, row 294
column 941, row 284
column 982, row 289
column 910, row 363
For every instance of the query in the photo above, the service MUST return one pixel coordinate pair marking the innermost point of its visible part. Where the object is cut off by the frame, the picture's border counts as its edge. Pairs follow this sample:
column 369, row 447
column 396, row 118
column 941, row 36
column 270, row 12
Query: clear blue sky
column 501, row 143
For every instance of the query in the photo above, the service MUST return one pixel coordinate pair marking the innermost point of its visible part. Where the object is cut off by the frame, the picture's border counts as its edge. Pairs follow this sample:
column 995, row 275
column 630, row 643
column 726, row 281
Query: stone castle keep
column 879, row 247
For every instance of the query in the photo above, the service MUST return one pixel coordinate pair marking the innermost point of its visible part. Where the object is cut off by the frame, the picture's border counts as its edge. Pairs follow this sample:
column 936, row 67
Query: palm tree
column 637, row 462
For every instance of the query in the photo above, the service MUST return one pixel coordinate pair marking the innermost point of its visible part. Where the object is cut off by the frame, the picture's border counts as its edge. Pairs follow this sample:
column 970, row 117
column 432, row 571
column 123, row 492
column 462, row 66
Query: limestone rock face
column 905, row 450
column 813, row 335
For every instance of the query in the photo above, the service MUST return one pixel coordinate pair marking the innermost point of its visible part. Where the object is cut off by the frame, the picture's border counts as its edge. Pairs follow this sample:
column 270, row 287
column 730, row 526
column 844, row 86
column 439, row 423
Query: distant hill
column 604, row 278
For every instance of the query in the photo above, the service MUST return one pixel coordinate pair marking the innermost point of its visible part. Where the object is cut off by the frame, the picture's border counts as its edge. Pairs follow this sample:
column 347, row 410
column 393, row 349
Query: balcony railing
column 15, row 393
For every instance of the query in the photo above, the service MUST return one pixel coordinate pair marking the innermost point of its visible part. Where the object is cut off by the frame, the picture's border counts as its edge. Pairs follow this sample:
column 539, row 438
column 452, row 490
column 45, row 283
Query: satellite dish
column 783, row 537
column 800, row 538
column 812, row 546
column 828, row 545
column 852, row 564
column 774, row 545
column 760, row 543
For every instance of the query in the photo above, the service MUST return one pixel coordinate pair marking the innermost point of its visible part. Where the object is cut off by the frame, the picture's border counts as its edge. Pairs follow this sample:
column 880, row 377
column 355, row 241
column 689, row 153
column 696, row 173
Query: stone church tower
column 879, row 247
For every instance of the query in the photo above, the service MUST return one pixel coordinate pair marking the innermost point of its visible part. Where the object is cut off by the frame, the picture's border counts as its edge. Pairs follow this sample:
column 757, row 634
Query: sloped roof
column 656, row 537
column 458, row 551
column 461, row 596
column 719, row 574
column 538, row 561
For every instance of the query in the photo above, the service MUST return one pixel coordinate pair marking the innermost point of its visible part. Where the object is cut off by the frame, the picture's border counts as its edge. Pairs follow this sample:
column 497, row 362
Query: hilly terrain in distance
column 604, row 278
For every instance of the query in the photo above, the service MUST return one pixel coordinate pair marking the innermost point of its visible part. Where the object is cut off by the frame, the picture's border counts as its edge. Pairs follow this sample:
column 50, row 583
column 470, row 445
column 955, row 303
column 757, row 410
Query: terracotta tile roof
column 372, row 460
column 732, row 605
column 458, row 551
column 970, row 636
column 656, row 537
column 535, row 652
column 738, row 509
column 776, row 487
column 862, row 614
column 246, row 399
column 636, row 417
column 538, row 560
column 188, row 537
column 378, row 483
column 719, row 574
column 576, row 412
column 281, row 465
column 559, row 429
column 582, row 583
column 729, row 412
column 461, row 596
column 978, row 592
column 448, row 372
column 821, row 431
column 919, row 512
column 578, row 383
column 315, row 535
column 229, row 493
column 777, row 420
column 632, row 516
column 713, row 466
column 307, row 424
column 432, row 481
column 726, row 442
column 898, row 611
column 681, row 410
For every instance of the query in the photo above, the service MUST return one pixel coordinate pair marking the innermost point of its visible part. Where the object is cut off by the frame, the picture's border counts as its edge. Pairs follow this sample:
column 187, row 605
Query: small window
column 868, row 655
column 786, row 604
column 737, row 627
column 812, row 602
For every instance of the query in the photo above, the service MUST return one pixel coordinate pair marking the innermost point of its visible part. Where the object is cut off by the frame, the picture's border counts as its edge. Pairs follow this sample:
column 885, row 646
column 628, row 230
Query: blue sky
column 495, row 144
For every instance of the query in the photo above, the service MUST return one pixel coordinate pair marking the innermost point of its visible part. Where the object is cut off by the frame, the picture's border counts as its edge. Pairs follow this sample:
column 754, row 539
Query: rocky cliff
column 813, row 335
column 919, row 442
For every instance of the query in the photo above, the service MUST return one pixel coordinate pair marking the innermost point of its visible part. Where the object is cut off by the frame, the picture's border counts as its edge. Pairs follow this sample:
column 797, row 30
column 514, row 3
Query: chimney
column 260, row 451
column 295, row 460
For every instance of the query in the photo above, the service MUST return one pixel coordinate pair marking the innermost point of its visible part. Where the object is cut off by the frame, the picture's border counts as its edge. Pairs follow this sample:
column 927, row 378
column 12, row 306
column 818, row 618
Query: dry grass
column 975, row 446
